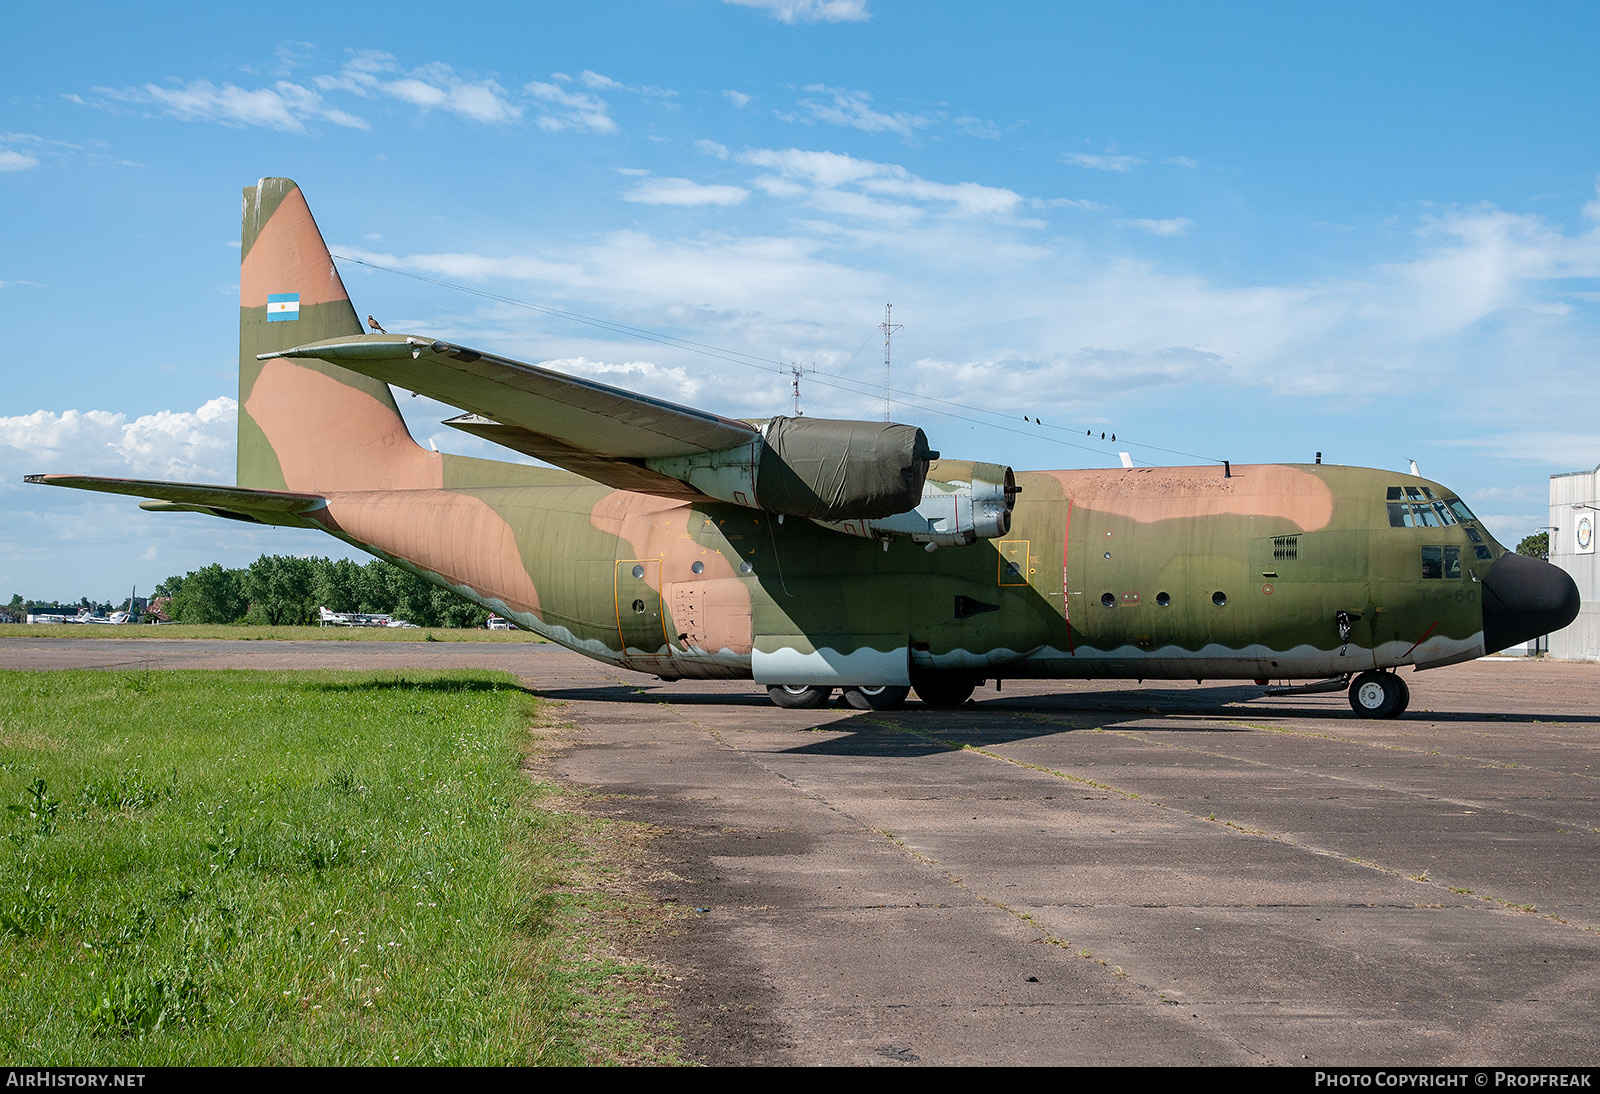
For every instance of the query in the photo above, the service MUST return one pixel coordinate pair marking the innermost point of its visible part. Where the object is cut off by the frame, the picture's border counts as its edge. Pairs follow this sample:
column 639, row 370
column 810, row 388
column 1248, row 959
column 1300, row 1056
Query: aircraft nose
column 1523, row 598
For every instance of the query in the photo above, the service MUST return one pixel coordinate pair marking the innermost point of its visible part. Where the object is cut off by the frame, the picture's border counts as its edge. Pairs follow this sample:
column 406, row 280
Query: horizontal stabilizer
column 265, row 506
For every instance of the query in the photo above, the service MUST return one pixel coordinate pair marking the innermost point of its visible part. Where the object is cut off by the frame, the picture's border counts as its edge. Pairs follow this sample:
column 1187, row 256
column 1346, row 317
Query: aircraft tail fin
column 308, row 425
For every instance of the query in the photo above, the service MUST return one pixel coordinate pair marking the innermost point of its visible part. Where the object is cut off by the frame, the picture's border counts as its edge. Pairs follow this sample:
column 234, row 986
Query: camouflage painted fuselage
column 1171, row 572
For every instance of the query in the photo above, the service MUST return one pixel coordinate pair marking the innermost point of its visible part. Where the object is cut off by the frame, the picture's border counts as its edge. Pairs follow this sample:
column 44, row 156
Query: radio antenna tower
column 796, row 371
column 888, row 330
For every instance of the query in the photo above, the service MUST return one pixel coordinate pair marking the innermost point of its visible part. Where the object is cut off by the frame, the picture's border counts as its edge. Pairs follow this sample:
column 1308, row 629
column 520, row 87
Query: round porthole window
column 638, row 571
column 1163, row 599
column 745, row 568
column 1109, row 600
column 638, row 607
column 698, row 567
column 1219, row 599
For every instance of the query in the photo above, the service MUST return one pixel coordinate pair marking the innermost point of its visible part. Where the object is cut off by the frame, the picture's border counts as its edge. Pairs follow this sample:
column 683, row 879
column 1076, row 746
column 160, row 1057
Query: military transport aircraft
column 812, row 554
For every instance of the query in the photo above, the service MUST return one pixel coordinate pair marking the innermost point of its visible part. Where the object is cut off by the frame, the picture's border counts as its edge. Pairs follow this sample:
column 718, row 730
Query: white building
column 1572, row 536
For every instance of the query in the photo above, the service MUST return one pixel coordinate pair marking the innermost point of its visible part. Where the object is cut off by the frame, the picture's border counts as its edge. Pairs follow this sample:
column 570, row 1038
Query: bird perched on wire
column 373, row 323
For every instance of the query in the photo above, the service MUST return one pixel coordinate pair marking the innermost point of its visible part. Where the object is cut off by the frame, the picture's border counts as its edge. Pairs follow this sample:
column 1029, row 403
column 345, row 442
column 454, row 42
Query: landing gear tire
column 879, row 697
column 1379, row 695
column 798, row 697
column 944, row 691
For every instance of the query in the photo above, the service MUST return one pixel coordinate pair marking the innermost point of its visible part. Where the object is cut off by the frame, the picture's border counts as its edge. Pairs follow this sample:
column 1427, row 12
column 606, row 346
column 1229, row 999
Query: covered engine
column 821, row 468
column 837, row 470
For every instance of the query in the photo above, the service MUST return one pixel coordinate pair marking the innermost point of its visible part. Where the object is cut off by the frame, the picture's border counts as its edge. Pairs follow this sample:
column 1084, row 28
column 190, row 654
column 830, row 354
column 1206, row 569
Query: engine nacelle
column 965, row 503
column 822, row 468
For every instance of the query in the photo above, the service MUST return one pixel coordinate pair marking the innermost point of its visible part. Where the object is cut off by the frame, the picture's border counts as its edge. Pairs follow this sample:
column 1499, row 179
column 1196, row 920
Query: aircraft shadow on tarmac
column 916, row 730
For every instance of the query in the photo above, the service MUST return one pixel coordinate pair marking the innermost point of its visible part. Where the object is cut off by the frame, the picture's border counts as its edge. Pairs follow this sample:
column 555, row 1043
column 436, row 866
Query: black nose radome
column 1524, row 598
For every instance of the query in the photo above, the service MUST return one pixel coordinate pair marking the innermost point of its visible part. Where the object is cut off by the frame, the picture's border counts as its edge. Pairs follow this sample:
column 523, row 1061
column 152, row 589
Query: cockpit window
column 1416, row 507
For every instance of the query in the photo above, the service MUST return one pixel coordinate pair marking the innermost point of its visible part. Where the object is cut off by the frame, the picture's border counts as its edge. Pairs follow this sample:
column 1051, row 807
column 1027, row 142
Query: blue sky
column 1236, row 231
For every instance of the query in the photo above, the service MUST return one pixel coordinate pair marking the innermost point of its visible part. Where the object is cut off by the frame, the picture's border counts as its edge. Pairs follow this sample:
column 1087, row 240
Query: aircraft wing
column 620, row 474
column 598, row 431
column 849, row 476
column 259, row 506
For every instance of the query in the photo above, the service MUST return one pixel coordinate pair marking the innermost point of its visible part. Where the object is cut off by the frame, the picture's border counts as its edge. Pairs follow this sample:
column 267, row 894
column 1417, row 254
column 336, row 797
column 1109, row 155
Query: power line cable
column 841, row 382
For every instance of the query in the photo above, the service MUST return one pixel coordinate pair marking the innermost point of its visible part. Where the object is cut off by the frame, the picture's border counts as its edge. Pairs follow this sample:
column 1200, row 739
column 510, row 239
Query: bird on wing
column 373, row 323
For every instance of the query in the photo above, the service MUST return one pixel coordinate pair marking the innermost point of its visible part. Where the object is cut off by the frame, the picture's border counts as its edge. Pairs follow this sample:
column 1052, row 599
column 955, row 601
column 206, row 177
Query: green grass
column 271, row 634
column 301, row 868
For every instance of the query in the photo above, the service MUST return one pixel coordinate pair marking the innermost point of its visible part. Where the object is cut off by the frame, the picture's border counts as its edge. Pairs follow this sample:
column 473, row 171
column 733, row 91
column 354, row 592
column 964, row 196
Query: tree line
column 281, row 590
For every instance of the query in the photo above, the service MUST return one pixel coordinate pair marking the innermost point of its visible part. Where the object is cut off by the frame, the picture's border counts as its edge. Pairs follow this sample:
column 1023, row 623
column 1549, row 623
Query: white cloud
column 482, row 102
column 285, row 106
column 1066, row 203
column 16, row 161
column 646, row 377
column 433, row 86
column 469, row 267
column 291, row 107
column 673, row 191
column 1173, row 226
column 565, row 109
column 185, row 445
column 1592, row 208
column 826, row 173
column 1106, row 162
column 853, row 109
column 810, row 11
column 977, row 127
column 739, row 99
column 825, row 169
column 596, row 81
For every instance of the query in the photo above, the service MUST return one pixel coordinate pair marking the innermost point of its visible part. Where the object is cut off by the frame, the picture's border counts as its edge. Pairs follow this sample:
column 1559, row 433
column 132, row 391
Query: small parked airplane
column 813, row 554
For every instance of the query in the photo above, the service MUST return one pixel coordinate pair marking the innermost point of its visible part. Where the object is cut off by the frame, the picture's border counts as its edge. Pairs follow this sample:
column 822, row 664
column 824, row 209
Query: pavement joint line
column 1027, row 919
column 1156, row 995
column 1043, row 934
column 1129, row 795
column 1475, row 806
column 1480, row 760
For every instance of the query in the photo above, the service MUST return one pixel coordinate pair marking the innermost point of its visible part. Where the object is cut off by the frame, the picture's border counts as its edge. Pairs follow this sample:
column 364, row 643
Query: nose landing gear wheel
column 881, row 697
column 798, row 697
column 1379, row 695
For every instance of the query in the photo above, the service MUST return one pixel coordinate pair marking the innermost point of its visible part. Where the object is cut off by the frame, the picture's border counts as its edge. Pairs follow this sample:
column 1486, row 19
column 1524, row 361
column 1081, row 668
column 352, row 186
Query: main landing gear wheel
column 1379, row 695
column 798, row 697
column 880, row 697
column 944, row 691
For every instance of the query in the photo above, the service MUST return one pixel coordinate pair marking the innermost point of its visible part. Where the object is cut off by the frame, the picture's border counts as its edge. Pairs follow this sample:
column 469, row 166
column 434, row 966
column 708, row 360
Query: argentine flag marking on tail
column 283, row 307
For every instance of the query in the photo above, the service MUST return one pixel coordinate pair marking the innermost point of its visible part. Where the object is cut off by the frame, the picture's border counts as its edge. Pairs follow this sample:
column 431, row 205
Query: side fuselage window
column 1441, row 562
column 1432, row 563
